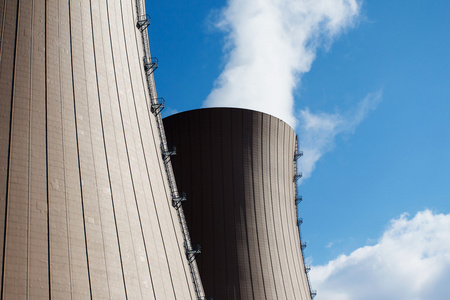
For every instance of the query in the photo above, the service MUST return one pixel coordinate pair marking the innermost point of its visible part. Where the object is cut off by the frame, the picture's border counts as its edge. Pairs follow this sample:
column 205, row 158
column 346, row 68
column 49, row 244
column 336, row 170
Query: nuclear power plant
column 89, row 202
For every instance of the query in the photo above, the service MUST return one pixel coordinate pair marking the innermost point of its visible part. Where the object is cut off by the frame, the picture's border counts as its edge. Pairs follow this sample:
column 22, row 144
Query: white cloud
column 270, row 44
column 411, row 261
column 319, row 130
column 332, row 243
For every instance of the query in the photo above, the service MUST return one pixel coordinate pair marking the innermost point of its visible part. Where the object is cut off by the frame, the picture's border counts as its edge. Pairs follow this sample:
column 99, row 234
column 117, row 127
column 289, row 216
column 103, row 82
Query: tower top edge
column 206, row 110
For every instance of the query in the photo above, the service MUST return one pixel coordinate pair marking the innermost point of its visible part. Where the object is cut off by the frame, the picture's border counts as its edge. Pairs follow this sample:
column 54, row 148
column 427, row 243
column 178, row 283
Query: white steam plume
column 270, row 44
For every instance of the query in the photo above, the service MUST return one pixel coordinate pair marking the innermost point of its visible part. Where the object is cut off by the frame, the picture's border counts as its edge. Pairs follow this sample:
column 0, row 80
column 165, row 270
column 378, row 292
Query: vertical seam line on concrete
column 131, row 172
column 191, row 179
column 264, row 196
column 78, row 160
column 223, row 204
column 287, row 204
column 126, row 144
column 146, row 165
column 29, row 149
column 211, row 199
column 66, row 211
column 211, row 196
column 281, row 211
column 200, row 140
column 273, row 213
column 187, row 183
column 92, row 149
column 9, row 148
column 200, row 168
column 152, row 134
column 287, row 196
column 269, row 197
column 125, row 140
column 171, row 217
column 245, row 207
column 234, row 208
column 254, row 200
column 3, row 28
column 46, row 157
column 106, row 154
column 279, row 208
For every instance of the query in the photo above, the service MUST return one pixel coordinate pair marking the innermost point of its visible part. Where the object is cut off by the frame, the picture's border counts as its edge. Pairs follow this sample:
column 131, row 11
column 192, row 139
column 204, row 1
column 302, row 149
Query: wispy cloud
column 332, row 243
column 318, row 131
column 410, row 261
column 270, row 44
column 168, row 111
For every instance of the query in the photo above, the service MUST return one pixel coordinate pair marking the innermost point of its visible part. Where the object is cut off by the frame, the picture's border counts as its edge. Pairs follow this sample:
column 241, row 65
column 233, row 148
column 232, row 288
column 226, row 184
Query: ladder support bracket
column 298, row 154
column 157, row 105
column 143, row 22
column 176, row 201
column 150, row 64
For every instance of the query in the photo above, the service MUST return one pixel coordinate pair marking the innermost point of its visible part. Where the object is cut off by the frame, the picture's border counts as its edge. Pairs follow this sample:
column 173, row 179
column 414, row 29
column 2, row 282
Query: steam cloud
column 270, row 44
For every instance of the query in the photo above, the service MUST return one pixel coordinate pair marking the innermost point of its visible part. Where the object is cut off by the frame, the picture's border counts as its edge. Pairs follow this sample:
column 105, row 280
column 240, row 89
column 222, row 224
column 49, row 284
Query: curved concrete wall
column 85, row 208
column 237, row 168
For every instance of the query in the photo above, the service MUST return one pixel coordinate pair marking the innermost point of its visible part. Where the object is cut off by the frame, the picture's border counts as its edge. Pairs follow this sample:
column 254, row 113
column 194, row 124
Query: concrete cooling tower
column 238, row 170
column 85, row 194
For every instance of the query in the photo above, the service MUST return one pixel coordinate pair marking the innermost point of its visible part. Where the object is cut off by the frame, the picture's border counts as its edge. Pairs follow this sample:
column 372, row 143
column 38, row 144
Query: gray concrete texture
column 237, row 169
column 85, row 207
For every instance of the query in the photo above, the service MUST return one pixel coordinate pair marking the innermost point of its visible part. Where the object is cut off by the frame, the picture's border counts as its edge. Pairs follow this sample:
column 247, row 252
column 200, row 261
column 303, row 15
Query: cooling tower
column 237, row 168
column 85, row 202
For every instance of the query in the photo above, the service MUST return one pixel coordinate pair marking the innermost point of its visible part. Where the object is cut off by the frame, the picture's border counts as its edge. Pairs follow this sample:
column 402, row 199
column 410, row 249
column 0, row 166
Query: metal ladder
column 157, row 104
column 299, row 199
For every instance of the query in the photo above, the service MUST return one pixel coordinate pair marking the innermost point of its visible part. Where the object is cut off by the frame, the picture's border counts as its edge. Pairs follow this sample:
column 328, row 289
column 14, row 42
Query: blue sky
column 373, row 102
